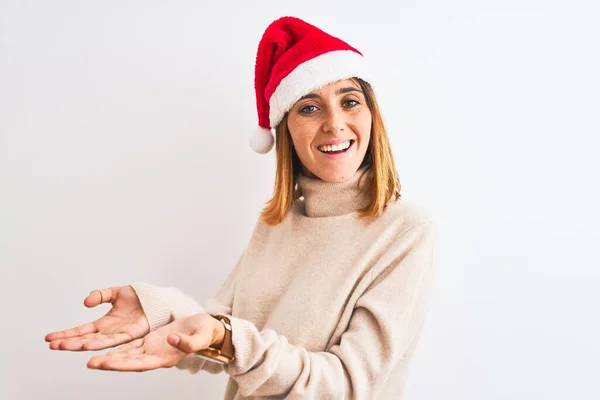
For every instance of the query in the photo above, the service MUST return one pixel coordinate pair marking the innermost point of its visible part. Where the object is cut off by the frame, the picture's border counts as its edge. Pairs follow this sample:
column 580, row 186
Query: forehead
column 333, row 86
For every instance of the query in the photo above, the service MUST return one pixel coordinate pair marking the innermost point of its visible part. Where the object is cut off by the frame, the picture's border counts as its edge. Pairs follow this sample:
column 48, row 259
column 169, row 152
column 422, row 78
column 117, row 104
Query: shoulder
column 406, row 215
column 403, row 225
column 411, row 228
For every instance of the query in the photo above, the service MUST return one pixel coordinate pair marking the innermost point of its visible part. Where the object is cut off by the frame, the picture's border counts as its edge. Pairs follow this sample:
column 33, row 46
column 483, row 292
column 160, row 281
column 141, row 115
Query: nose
column 333, row 121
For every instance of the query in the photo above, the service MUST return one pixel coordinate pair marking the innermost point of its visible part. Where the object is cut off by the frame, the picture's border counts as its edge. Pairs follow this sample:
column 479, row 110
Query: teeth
column 341, row 146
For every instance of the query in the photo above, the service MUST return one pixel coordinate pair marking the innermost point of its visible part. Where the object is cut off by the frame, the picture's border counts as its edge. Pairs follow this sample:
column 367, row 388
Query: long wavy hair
column 384, row 185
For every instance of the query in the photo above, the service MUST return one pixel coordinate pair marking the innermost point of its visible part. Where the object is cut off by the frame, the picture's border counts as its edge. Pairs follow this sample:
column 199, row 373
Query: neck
column 325, row 199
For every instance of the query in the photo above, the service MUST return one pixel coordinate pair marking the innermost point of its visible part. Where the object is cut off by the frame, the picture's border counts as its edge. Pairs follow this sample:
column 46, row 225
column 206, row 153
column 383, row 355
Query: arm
column 384, row 327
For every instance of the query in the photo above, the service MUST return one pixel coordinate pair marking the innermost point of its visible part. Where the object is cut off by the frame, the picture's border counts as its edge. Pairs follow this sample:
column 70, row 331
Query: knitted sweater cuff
column 246, row 344
column 154, row 304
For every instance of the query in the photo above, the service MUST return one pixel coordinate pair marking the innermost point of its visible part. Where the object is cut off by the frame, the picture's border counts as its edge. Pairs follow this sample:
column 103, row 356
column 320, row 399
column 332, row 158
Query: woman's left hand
column 163, row 348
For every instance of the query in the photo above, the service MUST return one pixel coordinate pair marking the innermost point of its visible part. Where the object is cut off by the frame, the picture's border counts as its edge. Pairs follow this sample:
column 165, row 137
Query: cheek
column 302, row 133
column 363, row 124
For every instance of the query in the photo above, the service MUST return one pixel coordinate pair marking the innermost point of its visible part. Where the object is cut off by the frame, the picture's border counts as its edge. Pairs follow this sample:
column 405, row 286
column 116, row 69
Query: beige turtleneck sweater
column 323, row 305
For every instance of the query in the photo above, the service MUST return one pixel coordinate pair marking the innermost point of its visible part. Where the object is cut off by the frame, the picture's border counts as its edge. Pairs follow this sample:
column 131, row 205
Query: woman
column 330, row 295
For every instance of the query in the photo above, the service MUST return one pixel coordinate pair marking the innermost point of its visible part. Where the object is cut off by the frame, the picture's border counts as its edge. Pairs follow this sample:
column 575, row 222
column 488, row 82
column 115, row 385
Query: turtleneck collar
column 324, row 199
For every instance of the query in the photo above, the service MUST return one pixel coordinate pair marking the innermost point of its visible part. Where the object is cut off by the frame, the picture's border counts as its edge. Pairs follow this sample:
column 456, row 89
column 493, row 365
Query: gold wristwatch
column 222, row 354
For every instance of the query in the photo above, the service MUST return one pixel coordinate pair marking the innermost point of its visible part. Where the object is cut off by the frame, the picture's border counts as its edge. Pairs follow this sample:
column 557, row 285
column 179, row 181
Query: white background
column 124, row 157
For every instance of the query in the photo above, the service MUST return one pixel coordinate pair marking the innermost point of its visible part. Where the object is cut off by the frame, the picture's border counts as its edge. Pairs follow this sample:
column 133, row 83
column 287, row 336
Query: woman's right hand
column 124, row 322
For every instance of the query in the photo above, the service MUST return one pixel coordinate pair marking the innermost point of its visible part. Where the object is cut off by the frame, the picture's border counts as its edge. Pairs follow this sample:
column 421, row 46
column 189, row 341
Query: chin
column 337, row 175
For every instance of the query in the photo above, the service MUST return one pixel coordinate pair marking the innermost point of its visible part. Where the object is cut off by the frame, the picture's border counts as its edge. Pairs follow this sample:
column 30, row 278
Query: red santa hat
column 293, row 59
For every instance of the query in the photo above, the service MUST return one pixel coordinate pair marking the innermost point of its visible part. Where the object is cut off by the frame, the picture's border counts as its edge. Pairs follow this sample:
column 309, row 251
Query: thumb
column 96, row 297
column 188, row 343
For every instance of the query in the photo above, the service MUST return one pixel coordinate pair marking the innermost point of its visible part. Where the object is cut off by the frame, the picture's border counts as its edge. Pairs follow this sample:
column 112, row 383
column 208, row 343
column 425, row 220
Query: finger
column 139, row 363
column 92, row 341
column 72, row 344
column 72, row 332
column 99, row 296
column 189, row 343
column 105, row 342
column 57, row 343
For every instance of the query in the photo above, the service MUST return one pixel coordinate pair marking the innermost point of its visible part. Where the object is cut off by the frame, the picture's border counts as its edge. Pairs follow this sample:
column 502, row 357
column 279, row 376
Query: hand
column 124, row 322
column 165, row 347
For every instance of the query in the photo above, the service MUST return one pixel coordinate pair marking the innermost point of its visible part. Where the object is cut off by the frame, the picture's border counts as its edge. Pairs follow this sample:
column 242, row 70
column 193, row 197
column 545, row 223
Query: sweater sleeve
column 163, row 305
column 385, row 324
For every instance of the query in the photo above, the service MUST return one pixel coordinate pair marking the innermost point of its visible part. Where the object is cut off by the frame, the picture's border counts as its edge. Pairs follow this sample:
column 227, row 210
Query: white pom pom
column 262, row 140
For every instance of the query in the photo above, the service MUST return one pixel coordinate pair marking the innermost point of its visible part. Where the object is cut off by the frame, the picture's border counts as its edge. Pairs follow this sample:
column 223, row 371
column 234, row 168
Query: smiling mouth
column 331, row 149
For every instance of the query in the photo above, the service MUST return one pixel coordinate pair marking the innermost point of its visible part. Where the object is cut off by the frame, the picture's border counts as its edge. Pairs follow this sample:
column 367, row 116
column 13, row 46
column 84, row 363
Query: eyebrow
column 338, row 92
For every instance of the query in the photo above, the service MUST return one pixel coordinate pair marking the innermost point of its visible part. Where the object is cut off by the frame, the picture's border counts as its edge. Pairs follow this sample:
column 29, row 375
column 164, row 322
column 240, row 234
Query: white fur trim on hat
column 262, row 140
column 314, row 74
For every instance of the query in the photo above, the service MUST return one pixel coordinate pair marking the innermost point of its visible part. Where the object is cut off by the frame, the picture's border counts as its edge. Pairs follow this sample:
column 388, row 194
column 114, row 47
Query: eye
column 350, row 103
column 308, row 109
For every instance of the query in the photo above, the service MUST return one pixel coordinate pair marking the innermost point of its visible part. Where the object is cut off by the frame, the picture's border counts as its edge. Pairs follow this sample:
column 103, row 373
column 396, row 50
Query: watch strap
column 221, row 353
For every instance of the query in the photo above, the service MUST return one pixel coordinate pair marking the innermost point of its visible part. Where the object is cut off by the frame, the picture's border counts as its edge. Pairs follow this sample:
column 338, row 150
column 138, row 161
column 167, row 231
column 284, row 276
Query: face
column 330, row 129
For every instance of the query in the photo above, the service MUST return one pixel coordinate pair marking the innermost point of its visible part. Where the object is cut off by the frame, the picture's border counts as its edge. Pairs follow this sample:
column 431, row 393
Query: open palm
column 124, row 322
column 163, row 348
